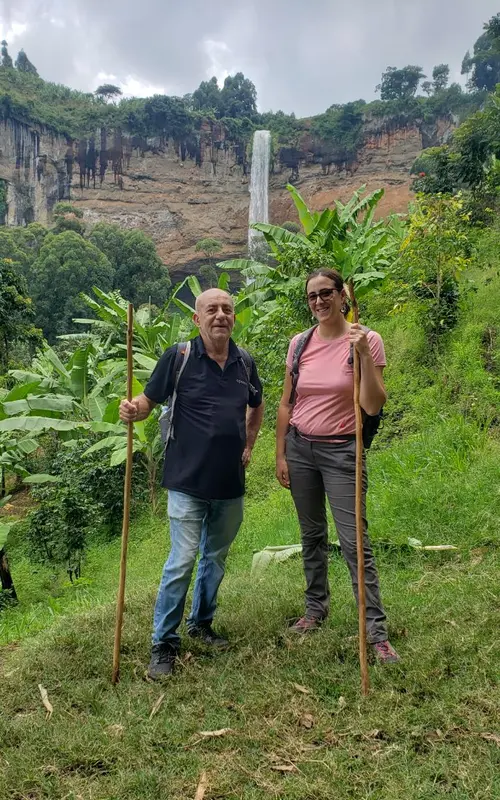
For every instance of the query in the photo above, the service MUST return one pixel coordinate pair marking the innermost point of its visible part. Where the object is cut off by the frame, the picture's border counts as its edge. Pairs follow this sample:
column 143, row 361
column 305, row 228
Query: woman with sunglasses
column 316, row 448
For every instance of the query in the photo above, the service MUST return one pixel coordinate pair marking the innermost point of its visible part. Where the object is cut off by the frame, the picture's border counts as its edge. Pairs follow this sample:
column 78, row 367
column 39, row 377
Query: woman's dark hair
column 336, row 278
column 332, row 274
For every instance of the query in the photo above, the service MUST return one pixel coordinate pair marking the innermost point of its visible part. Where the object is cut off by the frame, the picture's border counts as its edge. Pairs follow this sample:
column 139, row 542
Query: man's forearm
column 253, row 423
column 144, row 407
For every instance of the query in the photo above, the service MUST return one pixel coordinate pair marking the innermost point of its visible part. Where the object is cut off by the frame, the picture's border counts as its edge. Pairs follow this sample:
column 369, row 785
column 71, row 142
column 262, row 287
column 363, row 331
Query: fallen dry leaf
column 115, row 730
column 310, row 747
column 210, row 734
column 374, row 734
column 202, row 787
column 284, row 768
column 301, row 689
column 157, row 705
column 307, row 721
column 491, row 737
column 46, row 701
column 342, row 702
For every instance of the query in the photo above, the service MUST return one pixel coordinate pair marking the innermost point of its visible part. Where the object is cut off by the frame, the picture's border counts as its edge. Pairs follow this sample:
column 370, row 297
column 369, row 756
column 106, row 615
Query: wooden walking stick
column 363, row 662
column 126, row 504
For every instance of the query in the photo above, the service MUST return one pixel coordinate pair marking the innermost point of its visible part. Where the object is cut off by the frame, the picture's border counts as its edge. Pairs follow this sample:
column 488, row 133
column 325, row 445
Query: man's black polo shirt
column 204, row 457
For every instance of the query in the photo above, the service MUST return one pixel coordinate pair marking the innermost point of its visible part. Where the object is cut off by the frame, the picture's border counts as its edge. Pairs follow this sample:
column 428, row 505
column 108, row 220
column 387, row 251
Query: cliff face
column 37, row 167
column 179, row 195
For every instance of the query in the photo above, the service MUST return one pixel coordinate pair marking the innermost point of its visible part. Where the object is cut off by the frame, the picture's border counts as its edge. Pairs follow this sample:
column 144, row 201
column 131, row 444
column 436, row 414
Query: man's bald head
column 210, row 296
column 214, row 316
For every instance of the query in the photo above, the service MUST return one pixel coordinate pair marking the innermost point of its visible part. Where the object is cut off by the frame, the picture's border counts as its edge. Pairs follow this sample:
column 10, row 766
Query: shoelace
column 166, row 655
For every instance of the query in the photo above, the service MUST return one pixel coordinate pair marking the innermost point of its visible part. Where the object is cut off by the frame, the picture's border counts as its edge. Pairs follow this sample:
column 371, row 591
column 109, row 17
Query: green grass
column 430, row 726
column 426, row 730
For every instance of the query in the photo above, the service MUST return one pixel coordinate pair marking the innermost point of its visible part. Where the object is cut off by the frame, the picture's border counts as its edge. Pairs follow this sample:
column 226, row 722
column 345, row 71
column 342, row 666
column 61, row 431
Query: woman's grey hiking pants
column 318, row 468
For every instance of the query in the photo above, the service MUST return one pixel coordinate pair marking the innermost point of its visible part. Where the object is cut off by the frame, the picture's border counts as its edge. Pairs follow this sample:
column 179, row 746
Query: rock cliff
column 179, row 194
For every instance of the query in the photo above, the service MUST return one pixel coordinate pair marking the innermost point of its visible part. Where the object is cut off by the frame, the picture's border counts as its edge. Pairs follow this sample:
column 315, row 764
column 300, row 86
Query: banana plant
column 147, row 443
column 152, row 334
column 21, row 420
column 245, row 307
column 361, row 249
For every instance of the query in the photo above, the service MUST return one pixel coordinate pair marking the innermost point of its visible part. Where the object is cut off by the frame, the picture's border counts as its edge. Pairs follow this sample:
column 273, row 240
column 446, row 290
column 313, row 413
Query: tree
column 345, row 237
column 434, row 253
column 68, row 218
column 209, row 275
column 6, row 59
column 209, row 247
column 400, row 84
column 427, row 87
column 467, row 64
column 484, row 65
column 238, row 97
column 12, row 249
column 16, row 313
column 440, row 77
column 107, row 91
column 436, row 171
column 30, row 238
column 23, row 64
column 139, row 273
column 207, row 97
column 342, row 126
column 167, row 117
column 66, row 266
column 293, row 227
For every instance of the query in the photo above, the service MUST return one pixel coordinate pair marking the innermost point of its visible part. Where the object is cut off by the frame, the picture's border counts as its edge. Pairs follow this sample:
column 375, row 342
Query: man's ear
column 196, row 319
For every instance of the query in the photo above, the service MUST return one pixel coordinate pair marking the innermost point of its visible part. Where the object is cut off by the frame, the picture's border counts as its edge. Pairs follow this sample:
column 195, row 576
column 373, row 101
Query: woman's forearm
column 282, row 423
column 372, row 394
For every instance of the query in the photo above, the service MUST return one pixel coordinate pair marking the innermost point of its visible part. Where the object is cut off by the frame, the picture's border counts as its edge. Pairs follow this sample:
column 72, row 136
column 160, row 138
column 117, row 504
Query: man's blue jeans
column 209, row 526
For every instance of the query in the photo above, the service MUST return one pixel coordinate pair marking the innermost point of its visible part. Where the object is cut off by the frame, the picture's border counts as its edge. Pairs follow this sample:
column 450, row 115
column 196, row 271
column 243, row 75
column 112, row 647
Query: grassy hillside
column 297, row 727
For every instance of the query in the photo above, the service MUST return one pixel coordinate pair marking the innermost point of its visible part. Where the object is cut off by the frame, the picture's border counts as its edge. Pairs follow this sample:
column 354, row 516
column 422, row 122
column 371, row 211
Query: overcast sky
column 302, row 56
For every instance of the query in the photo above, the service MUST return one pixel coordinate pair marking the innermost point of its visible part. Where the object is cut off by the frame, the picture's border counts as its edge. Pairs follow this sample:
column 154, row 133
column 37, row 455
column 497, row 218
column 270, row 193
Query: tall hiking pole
column 126, row 504
column 363, row 661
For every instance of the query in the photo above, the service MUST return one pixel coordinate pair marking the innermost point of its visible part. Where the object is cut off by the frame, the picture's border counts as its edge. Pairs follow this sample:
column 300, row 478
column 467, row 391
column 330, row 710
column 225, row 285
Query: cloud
column 11, row 31
column 302, row 57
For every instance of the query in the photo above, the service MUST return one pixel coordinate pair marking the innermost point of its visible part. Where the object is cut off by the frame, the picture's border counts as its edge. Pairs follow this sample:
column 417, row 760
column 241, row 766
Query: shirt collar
column 200, row 350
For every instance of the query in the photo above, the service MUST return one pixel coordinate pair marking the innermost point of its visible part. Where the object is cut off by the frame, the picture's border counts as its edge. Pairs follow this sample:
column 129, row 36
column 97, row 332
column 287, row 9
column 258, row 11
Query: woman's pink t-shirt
column 325, row 390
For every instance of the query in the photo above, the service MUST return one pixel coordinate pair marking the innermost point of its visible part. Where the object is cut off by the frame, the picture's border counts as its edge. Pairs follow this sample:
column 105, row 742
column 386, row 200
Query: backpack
column 181, row 358
column 371, row 423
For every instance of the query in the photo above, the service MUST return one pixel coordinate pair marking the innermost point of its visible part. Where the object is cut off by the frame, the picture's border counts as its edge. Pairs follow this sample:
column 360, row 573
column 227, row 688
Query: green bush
column 84, row 505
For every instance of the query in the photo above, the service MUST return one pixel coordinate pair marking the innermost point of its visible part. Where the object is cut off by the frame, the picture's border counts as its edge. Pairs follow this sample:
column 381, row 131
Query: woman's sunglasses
column 324, row 294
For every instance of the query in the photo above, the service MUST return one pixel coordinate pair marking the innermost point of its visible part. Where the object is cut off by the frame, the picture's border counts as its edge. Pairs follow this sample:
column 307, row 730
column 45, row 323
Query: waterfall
column 259, row 189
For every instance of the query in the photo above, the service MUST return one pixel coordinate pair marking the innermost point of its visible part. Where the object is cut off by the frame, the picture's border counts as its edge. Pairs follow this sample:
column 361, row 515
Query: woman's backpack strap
column 300, row 346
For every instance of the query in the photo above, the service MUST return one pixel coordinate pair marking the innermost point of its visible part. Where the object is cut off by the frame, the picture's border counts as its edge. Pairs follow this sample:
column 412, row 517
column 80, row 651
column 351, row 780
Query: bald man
column 217, row 416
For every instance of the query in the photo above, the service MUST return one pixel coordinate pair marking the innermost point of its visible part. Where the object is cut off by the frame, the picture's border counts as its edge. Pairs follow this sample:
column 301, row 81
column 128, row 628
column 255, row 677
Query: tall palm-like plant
column 361, row 248
column 82, row 393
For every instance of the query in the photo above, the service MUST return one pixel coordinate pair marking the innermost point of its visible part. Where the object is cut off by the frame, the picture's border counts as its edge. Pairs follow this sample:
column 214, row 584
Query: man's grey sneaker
column 386, row 653
column 162, row 661
column 306, row 624
column 206, row 634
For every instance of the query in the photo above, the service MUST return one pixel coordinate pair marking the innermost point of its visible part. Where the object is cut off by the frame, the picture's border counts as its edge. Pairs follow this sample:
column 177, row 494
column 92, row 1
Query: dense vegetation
column 469, row 160
column 55, row 266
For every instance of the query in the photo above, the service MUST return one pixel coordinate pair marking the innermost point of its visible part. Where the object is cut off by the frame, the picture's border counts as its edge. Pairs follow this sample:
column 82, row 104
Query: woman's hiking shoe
column 162, row 662
column 306, row 624
column 207, row 635
column 386, row 653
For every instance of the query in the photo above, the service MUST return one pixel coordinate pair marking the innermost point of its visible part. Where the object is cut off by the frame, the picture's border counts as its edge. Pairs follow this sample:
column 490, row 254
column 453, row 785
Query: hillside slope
column 288, row 713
